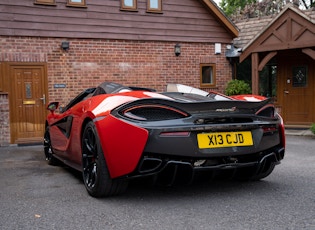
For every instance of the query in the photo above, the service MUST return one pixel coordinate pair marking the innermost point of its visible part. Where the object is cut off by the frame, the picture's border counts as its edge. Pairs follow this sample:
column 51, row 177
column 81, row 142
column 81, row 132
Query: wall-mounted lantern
column 65, row 45
column 177, row 49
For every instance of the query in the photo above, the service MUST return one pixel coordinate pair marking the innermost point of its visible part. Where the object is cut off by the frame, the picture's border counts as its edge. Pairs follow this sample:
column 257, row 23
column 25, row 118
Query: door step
column 29, row 141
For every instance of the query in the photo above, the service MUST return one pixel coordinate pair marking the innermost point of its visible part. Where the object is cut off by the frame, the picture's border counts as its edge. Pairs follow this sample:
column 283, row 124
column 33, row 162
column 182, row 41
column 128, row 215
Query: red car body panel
column 122, row 157
column 122, row 151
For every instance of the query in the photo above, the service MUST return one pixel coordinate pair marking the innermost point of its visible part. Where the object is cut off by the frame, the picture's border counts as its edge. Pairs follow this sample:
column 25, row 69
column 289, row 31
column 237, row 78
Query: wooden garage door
column 27, row 102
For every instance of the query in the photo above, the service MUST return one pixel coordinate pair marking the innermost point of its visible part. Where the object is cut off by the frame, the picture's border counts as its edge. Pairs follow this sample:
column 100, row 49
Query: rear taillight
column 269, row 129
column 281, row 130
column 266, row 111
column 152, row 112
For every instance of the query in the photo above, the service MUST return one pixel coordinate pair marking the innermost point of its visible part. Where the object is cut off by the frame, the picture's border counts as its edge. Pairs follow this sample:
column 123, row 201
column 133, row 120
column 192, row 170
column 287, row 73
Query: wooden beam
column 1, row 78
column 309, row 52
column 266, row 60
column 299, row 33
column 255, row 74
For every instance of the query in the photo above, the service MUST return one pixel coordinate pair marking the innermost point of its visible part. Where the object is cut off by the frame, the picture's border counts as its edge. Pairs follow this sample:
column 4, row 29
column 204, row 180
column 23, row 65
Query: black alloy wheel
column 95, row 172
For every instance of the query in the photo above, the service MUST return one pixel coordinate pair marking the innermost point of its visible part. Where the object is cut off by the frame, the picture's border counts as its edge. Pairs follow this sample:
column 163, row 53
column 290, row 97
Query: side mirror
column 52, row 106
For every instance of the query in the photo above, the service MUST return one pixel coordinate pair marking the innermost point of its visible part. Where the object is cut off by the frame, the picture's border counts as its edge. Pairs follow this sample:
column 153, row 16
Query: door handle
column 286, row 91
column 43, row 99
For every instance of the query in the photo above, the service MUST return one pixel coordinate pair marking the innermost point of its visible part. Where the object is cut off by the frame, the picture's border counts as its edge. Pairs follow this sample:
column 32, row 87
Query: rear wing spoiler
column 211, row 107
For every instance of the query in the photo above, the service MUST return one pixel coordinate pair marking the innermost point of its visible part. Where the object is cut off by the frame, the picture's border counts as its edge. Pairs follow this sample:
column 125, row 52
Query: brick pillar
column 4, row 120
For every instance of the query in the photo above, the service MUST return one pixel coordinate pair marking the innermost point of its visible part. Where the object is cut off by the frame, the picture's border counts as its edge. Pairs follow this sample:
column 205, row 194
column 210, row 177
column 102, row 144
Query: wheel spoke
column 89, row 158
column 89, row 142
column 88, row 146
column 90, row 173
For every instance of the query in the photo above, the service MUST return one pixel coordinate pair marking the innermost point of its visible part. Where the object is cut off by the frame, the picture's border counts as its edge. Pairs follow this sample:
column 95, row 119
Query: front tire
column 96, row 176
column 48, row 150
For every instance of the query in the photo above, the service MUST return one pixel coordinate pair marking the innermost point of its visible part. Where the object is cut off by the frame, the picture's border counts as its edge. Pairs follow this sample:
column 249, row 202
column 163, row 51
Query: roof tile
column 249, row 28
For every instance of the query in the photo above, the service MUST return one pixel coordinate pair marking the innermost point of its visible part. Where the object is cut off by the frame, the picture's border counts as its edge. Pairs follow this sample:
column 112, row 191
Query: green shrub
column 313, row 128
column 236, row 87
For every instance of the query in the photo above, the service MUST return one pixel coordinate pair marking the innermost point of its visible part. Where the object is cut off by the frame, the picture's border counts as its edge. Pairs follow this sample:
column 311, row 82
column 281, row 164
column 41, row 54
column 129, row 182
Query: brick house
column 50, row 50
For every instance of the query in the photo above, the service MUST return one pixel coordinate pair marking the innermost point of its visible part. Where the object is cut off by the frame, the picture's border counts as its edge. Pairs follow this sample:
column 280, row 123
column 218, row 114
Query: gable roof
column 265, row 34
column 219, row 14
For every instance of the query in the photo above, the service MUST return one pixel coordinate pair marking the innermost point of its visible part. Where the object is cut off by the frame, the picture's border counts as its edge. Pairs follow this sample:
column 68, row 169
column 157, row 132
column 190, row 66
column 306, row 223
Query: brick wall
column 89, row 62
column 4, row 120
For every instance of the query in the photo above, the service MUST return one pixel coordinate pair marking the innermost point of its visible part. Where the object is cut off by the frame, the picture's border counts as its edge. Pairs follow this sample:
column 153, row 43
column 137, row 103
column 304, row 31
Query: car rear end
column 191, row 134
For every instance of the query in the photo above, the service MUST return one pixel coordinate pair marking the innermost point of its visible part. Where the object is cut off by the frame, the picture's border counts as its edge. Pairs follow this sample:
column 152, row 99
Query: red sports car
column 113, row 133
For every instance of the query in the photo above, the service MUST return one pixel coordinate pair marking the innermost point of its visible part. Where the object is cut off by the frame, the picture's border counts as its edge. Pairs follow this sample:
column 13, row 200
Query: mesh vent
column 153, row 114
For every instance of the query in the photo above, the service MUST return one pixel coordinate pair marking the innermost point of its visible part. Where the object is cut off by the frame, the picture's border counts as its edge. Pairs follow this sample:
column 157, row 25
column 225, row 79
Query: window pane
column 299, row 76
column 45, row 1
column 128, row 3
column 76, row 3
column 154, row 4
column 207, row 75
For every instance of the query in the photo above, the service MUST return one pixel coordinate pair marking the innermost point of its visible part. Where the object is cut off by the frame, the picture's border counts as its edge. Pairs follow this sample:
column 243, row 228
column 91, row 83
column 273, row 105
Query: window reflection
column 128, row 3
column 207, row 75
column 154, row 4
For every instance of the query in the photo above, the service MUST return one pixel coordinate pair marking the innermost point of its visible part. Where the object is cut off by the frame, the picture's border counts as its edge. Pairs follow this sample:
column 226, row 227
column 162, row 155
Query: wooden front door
column 297, row 89
column 27, row 102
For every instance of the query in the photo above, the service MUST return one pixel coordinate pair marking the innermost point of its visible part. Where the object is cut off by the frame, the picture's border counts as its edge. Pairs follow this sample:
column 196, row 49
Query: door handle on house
column 43, row 99
column 286, row 91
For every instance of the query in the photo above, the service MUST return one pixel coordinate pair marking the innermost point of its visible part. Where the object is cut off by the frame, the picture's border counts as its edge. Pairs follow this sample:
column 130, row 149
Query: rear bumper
column 187, row 146
column 154, row 165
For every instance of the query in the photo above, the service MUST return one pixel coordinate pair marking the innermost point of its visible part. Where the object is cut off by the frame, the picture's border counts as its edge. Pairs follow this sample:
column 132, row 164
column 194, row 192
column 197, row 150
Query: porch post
column 255, row 74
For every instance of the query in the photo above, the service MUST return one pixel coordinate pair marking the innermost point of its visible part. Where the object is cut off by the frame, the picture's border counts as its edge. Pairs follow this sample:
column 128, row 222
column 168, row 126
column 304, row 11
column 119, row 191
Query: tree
column 238, row 9
column 229, row 7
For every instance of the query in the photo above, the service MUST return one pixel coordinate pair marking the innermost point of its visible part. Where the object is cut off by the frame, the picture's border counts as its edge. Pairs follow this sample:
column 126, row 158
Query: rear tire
column 96, row 176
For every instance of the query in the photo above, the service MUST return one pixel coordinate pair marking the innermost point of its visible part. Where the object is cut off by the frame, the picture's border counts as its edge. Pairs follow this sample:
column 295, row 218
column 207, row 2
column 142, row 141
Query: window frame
column 154, row 10
column 76, row 4
column 45, row 2
column 129, row 8
column 213, row 83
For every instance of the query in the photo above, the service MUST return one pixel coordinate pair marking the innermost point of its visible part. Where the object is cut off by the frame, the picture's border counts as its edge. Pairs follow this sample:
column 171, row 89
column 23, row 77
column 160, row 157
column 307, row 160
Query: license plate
column 224, row 139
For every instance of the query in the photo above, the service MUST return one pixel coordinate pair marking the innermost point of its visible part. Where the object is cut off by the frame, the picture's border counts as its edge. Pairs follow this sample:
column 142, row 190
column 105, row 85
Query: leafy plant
column 313, row 128
column 236, row 87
